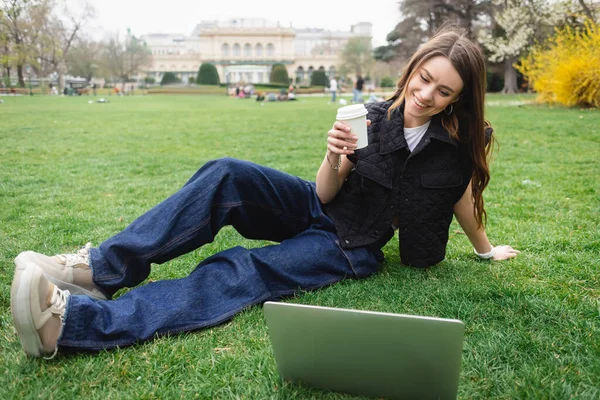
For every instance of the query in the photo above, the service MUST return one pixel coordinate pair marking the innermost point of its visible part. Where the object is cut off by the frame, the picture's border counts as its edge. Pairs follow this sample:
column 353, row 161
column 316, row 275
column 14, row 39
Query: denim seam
column 337, row 243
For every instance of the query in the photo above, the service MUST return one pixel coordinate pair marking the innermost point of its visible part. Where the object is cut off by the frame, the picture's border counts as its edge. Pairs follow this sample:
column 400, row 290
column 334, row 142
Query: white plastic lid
column 349, row 112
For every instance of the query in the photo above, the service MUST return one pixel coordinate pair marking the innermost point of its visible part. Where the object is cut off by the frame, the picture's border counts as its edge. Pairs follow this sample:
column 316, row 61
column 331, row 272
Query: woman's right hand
column 340, row 140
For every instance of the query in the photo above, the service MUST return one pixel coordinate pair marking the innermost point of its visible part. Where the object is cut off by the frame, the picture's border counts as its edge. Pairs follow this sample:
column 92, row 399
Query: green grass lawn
column 72, row 172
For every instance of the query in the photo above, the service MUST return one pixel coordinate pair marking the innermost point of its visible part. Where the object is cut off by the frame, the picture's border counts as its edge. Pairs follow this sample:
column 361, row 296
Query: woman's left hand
column 504, row 253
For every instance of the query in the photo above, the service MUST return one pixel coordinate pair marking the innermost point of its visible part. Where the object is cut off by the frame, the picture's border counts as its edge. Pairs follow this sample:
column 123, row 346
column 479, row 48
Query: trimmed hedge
column 200, row 90
column 169, row 78
column 207, row 75
column 387, row 81
column 279, row 75
column 319, row 78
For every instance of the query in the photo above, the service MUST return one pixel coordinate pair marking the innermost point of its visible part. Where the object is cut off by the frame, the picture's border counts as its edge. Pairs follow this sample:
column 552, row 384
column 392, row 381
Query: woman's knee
column 218, row 170
column 227, row 166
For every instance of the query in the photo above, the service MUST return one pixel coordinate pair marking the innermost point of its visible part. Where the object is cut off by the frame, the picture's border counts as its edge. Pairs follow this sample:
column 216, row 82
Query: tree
column 62, row 28
column 84, row 59
column 169, row 78
column 207, row 75
column 6, row 57
column 15, row 25
column 279, row 75
column 39, row 34
column 125, row 59
column 319, row 78
column 590, row 12
column 383, row 70
column 356, row 57
column 421, row 18
column 516, row 26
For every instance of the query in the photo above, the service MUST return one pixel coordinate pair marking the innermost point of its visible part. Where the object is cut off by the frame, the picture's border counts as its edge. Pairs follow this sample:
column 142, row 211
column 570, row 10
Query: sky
column 181, row 16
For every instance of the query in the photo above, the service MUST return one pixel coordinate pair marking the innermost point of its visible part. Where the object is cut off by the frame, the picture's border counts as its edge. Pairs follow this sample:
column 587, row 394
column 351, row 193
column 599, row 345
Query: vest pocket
column 374, row 173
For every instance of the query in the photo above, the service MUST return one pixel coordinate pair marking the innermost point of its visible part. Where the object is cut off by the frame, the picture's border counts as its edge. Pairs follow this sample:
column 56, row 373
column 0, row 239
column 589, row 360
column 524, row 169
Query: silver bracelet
column 486, row 256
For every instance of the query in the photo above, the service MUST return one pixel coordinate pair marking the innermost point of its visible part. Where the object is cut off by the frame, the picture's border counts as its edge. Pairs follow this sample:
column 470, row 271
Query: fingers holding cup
column 340, row 139
column 355, row 117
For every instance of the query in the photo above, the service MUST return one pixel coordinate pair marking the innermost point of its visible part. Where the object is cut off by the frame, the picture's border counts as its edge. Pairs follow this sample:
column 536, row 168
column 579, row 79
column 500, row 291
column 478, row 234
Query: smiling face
column 433, row 86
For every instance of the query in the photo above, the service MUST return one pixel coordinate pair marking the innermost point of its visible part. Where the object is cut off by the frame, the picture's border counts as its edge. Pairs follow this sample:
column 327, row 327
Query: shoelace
column 59, row 302
column 81, row 257
column 57, row 307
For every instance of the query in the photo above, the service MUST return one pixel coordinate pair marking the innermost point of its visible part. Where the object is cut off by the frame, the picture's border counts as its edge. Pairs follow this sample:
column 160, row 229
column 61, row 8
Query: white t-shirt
column 332, row 85
column 414, row 135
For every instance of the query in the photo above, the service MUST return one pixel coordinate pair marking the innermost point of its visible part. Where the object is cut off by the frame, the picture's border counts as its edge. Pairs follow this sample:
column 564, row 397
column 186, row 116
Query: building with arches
column 245, row 50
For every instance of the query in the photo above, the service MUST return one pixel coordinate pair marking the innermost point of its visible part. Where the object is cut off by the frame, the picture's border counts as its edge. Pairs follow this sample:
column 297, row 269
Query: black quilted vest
column 420, row 187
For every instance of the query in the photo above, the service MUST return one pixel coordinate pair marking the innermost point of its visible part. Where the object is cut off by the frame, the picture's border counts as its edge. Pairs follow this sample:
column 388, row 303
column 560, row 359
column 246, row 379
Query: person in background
column 333, row 87
column 358, row 87
column 291, row 95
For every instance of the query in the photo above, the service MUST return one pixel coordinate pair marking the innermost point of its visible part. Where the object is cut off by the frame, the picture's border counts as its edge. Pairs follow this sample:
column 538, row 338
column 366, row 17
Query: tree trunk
column 20, row 76
column 60, row 68
column 587, row 10
column 510, row 76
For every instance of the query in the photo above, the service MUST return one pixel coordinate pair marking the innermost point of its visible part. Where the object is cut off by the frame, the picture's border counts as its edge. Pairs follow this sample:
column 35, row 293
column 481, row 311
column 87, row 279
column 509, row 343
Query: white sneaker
column 70, row 272
column 38, row 309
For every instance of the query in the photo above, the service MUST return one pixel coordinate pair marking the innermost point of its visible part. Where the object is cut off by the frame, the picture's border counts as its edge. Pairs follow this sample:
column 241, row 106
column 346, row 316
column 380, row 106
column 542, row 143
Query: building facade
column 245, row 50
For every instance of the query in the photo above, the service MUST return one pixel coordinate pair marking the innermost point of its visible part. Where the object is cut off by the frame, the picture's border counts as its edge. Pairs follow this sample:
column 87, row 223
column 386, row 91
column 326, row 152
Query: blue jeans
column 357, row 96
column 260, row 203
column 333, row 93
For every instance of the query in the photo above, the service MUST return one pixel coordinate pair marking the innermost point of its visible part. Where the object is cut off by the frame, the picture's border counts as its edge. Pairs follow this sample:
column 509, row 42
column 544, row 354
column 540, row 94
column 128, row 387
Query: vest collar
column 392, row 131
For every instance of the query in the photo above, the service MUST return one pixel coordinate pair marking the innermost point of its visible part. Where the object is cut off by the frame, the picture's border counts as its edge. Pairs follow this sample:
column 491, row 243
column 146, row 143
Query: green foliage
column 356, row 57
column 271, row 85
column 149, row 80
column 532, row 323
column 279, row 75
column 169, row 78
column 319, row 78
column 387, row 82
column 495, row 82
column 207, row 75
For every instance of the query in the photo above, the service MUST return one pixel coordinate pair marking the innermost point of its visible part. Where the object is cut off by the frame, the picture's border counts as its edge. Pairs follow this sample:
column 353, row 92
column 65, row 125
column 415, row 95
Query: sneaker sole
column 20, row 306
column 23, row 261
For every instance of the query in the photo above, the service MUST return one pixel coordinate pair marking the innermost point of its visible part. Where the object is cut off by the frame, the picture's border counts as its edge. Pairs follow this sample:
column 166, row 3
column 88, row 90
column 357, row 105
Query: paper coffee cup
column 355, row 116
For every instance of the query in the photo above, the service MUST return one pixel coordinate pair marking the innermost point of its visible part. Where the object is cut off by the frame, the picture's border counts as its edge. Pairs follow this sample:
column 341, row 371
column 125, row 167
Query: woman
column 426, row 160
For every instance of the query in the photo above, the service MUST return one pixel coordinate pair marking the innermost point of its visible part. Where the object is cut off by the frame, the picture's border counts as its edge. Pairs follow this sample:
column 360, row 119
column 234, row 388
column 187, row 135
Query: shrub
column 387, row 81
column 279, row 75
column 495, row 82
column 271, row 85
column 565, row 70
column 318, row 78
column 207, row 75
column 169, row 78
column 149, row 80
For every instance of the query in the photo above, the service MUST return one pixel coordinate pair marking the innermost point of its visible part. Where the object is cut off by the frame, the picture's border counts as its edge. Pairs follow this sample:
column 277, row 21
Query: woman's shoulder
column 379, row 107
column 376, row 110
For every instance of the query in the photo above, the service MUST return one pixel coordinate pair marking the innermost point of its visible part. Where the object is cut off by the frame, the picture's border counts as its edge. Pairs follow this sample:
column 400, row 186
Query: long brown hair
column 466, row 123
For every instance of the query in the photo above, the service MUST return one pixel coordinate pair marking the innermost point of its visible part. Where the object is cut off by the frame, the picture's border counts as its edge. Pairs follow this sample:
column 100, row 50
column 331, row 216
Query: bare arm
column 340, row 142
column 464, row 210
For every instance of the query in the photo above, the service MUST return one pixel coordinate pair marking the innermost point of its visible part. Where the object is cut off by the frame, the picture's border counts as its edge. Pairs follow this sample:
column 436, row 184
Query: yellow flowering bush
column 566, row 70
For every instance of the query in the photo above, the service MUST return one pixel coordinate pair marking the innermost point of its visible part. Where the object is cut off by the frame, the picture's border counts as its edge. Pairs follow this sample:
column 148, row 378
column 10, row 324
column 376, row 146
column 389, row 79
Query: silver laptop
column 367, row 353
